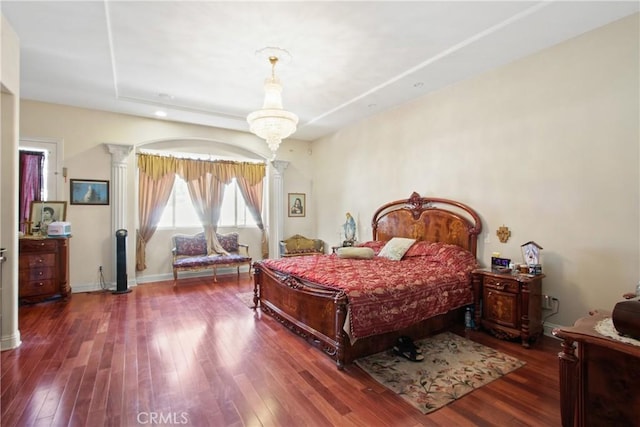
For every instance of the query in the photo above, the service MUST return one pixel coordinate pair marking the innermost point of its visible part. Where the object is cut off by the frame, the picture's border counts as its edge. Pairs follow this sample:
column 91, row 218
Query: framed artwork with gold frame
column 297, row 204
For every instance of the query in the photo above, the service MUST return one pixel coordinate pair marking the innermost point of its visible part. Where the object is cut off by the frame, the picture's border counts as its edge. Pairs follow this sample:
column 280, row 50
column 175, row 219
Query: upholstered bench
column 190, row 254
column 298, row 245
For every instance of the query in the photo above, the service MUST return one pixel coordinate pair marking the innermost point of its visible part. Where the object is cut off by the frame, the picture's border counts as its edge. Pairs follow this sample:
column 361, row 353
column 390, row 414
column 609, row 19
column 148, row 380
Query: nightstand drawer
column 502, row 284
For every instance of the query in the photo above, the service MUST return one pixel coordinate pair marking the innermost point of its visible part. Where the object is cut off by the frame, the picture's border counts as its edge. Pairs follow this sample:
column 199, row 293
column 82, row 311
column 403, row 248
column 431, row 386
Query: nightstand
column 511, row 304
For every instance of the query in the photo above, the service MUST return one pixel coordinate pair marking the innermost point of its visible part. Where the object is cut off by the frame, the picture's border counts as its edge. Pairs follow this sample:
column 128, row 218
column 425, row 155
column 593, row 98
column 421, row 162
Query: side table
column 511, row 304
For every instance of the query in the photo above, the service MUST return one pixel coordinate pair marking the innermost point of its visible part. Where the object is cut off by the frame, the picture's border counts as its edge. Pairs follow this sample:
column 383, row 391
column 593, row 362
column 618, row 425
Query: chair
column 298, row 245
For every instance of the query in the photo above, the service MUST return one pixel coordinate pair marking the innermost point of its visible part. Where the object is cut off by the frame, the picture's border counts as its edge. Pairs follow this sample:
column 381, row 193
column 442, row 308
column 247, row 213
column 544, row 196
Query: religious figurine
column 349, row 231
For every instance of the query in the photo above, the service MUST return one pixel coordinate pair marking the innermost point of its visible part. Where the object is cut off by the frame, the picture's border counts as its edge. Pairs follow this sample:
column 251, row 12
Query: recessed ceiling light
column 160, row 113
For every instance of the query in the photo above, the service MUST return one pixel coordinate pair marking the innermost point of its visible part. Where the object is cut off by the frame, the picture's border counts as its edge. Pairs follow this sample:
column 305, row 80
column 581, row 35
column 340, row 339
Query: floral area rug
column 452, row 367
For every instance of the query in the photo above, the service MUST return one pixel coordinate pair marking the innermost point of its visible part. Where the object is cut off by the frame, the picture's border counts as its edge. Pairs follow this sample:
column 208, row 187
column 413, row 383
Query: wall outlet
column 547, row 302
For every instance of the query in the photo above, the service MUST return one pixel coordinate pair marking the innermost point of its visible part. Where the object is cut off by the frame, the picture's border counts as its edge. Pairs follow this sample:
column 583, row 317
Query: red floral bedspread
column 386, row 295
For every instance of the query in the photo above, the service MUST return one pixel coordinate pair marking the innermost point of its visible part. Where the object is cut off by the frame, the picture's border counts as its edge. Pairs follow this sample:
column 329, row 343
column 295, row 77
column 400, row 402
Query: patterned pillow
column 191, row 245
column 376, row 245
column 396, row 248
column 229, row 241
column 424, row 249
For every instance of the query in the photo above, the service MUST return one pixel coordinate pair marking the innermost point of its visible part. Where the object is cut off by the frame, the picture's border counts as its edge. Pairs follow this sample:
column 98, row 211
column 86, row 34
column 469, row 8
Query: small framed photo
column 297, row 204
column 89, row 192
column 44, row 213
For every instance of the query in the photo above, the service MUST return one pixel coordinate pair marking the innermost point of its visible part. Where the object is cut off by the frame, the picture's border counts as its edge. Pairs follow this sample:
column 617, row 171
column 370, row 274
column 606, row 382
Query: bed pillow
column 423, row 248
column 396, row 248
column 376, row 245
column 355, row 253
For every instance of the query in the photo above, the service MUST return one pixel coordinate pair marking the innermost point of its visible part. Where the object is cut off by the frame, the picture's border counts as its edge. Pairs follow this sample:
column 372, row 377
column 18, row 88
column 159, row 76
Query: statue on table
column 349, row 231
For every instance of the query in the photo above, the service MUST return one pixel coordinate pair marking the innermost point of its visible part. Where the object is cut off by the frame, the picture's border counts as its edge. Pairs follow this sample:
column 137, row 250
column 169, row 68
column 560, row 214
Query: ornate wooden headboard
column 428, row 219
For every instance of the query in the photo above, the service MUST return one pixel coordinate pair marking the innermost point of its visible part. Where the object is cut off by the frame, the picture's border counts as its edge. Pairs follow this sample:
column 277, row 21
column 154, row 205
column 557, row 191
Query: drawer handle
column 40, row 284
column 501, row 285
column 40, row 260
column 40, row 273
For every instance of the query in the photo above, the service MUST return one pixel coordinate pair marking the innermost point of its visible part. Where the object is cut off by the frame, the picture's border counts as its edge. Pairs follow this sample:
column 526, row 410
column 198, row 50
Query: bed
column 336, row 314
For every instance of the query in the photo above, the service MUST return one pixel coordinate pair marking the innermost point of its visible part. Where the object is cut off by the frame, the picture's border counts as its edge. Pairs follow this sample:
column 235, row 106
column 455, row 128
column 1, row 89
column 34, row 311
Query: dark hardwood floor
column 197, row 355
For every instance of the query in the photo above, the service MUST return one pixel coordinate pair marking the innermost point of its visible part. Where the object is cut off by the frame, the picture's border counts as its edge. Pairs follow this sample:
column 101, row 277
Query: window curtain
column 156, row 176
column 205, row 180
column 31, row 181
column 207, row 193
column 250, row 183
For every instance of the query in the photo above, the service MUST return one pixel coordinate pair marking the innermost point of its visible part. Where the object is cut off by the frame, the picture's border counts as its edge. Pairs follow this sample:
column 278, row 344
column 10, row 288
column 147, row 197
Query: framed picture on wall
column 89, row 192
column 44, row 213
column 297, row 204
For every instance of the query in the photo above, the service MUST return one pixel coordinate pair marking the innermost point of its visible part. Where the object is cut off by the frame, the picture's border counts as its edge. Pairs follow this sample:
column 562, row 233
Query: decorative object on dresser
column 511, row 304
column 446, row 232
column 599, row 377
column 43, row 213
column 532, row 256
column 349, row 228
column 626, row 318
column 298, row 245
column 43, row 269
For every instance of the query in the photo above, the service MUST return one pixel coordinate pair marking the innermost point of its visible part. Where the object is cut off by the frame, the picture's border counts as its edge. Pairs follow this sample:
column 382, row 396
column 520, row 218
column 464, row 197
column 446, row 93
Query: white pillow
column 355, row 252
column 396, row 248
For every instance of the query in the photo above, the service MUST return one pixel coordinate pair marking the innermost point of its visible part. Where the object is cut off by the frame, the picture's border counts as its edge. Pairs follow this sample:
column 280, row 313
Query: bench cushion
column 204, row 260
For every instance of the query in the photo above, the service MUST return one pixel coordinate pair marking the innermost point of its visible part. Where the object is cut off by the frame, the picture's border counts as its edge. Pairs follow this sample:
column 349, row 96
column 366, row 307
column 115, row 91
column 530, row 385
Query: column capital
column 280, row 165
column 119, row 152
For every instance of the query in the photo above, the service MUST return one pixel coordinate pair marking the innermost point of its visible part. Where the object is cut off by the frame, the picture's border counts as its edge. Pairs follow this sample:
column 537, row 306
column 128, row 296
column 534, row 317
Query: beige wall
column 84, row 133
column 548, row 146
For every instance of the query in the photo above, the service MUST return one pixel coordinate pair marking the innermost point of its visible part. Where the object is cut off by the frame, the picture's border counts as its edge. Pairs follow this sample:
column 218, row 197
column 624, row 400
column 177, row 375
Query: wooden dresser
column 44, row 269
column 599, row 376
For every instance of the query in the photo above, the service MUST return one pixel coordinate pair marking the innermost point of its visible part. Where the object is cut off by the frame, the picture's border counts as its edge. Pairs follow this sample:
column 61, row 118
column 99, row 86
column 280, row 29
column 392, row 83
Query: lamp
column 272, row 123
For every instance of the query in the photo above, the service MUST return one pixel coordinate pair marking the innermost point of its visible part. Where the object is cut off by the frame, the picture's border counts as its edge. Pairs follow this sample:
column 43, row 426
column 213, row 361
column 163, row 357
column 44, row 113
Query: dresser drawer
column 29, row 261
column 37, row 287
column 39, row 273
column 504, row 285
column 35, row 245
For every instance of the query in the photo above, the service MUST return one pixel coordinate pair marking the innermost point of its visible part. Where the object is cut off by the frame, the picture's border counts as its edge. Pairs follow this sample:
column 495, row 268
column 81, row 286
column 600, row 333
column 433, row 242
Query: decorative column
column 119, row 156
column 276, row 220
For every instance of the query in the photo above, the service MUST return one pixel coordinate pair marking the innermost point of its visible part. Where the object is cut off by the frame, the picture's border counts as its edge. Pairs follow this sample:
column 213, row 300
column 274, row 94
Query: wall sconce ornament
column 503, row 234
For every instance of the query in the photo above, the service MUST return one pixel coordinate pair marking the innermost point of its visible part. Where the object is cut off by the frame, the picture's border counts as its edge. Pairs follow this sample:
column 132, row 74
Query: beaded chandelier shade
column 272, row 123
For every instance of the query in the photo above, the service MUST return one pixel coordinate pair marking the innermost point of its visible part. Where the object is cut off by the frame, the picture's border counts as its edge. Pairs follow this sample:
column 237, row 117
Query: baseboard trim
column 10, row 341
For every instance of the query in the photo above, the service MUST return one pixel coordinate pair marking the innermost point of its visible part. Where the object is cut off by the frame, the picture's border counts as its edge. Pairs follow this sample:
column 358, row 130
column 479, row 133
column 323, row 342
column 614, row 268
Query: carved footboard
column 318, row 314
column 313, row 312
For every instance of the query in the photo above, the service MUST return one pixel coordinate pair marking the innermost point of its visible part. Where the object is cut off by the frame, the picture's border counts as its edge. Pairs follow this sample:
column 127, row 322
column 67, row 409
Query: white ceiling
column 349, row 60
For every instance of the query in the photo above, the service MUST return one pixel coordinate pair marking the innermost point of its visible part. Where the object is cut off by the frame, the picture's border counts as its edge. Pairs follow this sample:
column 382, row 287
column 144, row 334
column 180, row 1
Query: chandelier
column 272, row 123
